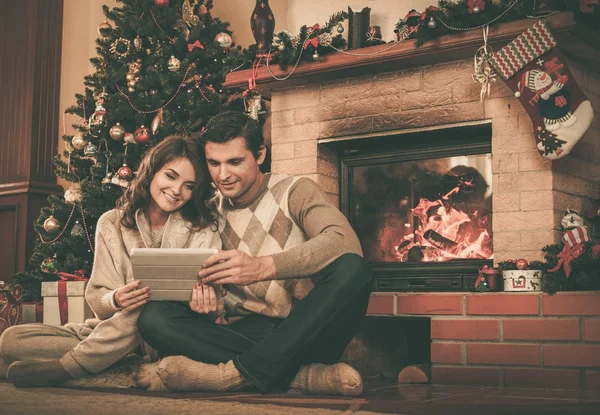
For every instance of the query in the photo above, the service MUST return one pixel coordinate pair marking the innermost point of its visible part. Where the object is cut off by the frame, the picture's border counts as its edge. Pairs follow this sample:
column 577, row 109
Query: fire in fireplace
column 421, row 205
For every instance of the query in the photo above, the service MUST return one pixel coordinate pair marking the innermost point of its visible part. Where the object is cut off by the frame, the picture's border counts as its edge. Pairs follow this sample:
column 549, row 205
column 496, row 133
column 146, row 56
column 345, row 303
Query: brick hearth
column 507, row 339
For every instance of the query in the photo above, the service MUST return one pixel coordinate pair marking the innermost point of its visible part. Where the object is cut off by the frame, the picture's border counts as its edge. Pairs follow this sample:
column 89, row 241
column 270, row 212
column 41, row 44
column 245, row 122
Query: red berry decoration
column 142, row 135
column 161, row 3
column 522, row 264
column 125, row 172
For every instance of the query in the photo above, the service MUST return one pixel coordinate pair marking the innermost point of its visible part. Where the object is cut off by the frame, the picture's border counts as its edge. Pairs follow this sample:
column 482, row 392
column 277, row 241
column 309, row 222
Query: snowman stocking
column 533, row 67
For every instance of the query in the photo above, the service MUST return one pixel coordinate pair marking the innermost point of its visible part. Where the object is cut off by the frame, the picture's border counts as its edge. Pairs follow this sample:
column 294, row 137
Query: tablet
column 171, row 273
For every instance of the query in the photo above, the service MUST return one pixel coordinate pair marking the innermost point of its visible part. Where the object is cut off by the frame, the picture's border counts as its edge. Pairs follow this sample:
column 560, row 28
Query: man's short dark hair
column 228, row 125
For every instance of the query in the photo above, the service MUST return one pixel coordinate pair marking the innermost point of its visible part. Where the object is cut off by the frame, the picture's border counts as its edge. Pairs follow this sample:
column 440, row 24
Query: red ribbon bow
column 315, row 40
column 63, row 303
column 566, row 256
column 196, row 44
column 476, row 3
column 429, row 9
column 79, row 275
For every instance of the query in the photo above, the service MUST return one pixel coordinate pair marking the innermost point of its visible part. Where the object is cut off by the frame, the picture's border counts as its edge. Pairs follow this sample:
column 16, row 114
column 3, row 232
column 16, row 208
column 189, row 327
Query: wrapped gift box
column 64, row 302
column 11, row 308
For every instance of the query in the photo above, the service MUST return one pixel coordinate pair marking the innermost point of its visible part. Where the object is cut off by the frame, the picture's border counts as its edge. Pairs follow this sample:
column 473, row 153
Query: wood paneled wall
column 30, row 52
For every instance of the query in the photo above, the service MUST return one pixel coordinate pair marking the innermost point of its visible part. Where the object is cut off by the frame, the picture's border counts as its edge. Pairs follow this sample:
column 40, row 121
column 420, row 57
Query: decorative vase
column 358, row 24
column 262, row 24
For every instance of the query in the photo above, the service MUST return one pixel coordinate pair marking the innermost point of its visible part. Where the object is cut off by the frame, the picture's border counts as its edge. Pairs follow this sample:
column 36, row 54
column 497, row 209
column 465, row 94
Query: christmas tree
column 159, row 71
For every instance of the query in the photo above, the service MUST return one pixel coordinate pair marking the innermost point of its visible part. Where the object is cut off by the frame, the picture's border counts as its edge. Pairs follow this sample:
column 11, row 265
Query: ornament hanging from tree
column 51, row 224
column 125, row 172
column 142, row 135
column 157, row 122
column 97, row 119
column 223, row 40
column 49, row 265
column 129, row 139
column 174, row 64
column 132, row 75
column 90, row 150
column 78, row 141
column 532, row 66
column 73, row 194
column 104, row 26
column 77, row 230
column 117, row 132
column 161, row 3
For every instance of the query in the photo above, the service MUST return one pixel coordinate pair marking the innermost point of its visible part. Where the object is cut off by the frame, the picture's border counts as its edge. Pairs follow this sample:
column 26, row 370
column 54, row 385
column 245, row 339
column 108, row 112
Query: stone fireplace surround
column 492, row 339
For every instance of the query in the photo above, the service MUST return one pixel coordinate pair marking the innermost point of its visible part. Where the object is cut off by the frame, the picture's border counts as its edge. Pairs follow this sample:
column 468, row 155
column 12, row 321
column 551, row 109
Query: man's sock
column 337, row 379
column 179, row 374
column 30, row 374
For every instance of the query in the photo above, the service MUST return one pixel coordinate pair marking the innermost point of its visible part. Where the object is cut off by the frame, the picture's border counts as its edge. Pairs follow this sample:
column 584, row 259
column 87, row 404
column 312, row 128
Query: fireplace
column 420, row 203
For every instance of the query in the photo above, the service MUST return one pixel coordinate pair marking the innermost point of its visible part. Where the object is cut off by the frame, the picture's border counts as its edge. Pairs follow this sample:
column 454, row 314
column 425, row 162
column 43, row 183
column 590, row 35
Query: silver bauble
column 117, row 132
column 174, row 64
column 79, row 142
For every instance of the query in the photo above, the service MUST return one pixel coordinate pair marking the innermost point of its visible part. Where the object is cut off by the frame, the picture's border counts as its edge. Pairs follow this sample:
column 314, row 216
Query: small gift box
column 64, row 302
column 11, row 309
column 522, row 280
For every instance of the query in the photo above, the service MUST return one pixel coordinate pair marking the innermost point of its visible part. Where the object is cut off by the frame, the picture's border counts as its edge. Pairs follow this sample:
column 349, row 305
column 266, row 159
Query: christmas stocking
column 533, row 67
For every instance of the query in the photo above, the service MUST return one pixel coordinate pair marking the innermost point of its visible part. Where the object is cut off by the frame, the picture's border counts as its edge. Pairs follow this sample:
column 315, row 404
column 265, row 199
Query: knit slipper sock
column 180, row 374
column 148, row 378
column 31, row 374
column 337, row 379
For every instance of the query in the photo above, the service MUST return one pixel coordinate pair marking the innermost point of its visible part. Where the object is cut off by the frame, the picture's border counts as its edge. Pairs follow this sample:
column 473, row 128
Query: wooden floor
column 380, row 397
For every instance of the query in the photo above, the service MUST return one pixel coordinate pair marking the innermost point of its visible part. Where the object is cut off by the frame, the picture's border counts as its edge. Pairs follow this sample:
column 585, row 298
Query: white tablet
column 171, row 273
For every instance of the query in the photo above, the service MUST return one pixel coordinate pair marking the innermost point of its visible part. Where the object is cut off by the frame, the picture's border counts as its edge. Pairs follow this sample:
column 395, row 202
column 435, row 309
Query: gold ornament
column 174, row 64
column 117, row 132
column 137, row 42
column 103, row 26
column 51, row 225
column 121, row 47
column 79, row 142
column 223, row 40
column 157, row 121
column 187, row 13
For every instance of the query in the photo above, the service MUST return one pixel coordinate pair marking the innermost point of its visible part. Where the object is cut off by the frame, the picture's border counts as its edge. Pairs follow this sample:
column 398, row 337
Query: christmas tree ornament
column 73, row 194
column 315, row 56
column 97, row 118
column 522, row 264
column 476, row 6
column 117, row 132
column 137, row 43
column 142, row 135
column 90, row 150
column 431, row 24
column 77, row 230
column 157, row 121
column 254, row 105
column 187, row 14
column 51, row 225
column 125, row 172
column 161, row 3
column 102, row 27
column 340, row 28
column 121, row 47
column 49, row 265
column 476, row 10
column 78, row 141
column 262, row 23
column 107, row 178
column 129, row 139
column 281, row 46
column 533, row 67
column 174, row 64
column 223, row 40
column 132, row 74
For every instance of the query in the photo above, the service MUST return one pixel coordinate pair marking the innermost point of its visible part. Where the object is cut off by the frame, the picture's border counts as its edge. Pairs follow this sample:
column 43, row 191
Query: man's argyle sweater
column 291, row 219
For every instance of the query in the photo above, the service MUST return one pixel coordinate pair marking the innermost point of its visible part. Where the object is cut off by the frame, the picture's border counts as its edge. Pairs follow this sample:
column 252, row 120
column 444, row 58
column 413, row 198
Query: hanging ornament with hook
column 484, row 72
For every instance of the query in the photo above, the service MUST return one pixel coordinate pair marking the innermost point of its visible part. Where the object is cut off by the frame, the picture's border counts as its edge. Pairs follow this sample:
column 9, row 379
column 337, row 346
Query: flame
column 436, row 231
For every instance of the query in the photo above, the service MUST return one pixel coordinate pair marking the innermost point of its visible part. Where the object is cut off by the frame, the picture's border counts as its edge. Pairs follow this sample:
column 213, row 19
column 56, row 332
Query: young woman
column 165, row 207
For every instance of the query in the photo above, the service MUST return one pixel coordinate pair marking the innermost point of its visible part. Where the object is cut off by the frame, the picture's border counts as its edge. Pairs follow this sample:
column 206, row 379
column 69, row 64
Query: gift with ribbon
column 11, row 308
column 64, row 300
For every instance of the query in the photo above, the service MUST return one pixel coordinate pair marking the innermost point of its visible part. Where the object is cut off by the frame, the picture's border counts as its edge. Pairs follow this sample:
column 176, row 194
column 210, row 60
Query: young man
column 296, row 283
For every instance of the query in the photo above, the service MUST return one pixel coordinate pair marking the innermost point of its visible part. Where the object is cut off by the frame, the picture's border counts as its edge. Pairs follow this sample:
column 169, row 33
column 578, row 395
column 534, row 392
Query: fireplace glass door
column 422, row 212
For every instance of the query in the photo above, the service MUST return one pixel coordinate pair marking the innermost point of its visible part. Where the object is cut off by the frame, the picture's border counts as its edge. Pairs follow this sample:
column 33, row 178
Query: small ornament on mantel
column 262, row 23
column 476, row 6
column 51, row 224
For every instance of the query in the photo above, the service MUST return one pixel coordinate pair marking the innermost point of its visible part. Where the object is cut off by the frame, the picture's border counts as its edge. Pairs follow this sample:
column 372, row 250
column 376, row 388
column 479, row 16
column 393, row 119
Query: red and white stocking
column 533, row 67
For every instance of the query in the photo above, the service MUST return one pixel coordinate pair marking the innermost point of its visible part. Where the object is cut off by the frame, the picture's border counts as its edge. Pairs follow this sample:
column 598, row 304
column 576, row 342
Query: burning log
column 439, row 241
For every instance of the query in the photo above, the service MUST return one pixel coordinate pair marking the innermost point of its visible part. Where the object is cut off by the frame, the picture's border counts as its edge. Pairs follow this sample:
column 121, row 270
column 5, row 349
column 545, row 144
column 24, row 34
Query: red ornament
column 125, row 172
column 142, row 135
column 161, row 3
column 522, row 264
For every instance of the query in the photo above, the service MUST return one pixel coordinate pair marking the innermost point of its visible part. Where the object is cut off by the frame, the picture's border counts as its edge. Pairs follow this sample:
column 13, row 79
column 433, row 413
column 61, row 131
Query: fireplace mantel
column 402, row 56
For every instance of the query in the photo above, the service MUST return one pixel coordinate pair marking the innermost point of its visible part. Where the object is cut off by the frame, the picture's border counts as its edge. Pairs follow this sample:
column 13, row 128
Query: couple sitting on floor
column 296, row 283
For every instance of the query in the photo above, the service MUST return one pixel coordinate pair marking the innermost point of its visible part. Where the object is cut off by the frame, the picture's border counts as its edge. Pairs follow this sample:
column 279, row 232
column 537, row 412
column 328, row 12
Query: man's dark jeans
column 269, row 351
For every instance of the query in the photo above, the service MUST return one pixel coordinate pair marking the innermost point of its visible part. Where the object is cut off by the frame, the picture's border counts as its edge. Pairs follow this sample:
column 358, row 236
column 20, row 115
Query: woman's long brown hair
column 137, row 196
